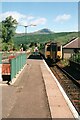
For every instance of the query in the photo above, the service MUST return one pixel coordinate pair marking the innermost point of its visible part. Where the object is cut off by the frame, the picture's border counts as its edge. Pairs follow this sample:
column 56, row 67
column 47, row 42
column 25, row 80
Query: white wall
column 67, row 53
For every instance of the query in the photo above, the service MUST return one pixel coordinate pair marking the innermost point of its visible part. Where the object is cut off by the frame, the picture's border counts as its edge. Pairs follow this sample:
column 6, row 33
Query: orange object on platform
column 6, row 69
column 11, row 57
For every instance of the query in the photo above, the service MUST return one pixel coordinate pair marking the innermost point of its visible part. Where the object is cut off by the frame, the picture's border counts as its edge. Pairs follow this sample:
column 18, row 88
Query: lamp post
column 26, row 26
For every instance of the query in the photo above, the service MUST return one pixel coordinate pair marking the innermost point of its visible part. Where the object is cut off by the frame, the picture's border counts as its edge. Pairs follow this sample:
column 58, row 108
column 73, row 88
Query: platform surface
column 35, row 94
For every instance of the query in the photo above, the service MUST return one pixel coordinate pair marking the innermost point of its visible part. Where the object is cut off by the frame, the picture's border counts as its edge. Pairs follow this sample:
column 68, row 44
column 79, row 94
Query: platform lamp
column 26, row 26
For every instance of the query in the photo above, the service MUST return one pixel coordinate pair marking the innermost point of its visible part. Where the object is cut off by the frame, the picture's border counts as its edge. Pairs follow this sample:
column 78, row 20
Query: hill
column 43, row 31
column 62, row 37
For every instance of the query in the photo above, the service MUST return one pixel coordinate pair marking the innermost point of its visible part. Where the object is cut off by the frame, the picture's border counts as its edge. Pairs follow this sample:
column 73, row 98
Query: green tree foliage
column 41, row 46
column 31, row 44
column 61, row 38
column 0, row 29
column 8, row 29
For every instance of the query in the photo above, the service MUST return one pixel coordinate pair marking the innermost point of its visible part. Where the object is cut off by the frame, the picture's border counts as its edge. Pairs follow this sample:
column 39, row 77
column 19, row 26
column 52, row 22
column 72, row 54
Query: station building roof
column 74, row 43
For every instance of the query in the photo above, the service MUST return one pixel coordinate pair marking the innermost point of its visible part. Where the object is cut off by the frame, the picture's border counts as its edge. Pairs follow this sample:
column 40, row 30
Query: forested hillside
column 62, row 38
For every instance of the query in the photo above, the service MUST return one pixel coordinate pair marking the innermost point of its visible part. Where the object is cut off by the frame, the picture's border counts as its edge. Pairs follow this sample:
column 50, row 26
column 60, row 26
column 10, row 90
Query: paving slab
column 58, row 105
column 35, row 94
column 26, row 98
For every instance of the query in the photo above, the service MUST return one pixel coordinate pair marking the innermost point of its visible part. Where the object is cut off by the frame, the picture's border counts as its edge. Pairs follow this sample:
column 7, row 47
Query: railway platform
column 35, row 94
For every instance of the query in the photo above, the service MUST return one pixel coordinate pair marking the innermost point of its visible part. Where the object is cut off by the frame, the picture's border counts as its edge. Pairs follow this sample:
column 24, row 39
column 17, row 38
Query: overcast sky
column 56, row 16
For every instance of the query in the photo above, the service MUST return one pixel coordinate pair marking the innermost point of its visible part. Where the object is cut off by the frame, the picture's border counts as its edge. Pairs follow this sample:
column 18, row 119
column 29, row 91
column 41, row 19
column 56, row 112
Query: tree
column 8, row 29
column 0, row 29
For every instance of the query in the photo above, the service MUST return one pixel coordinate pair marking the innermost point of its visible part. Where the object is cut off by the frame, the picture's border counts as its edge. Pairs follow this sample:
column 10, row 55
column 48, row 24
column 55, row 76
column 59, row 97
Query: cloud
column 14, row 14
column 62, row 18
column 23, row 19
column 38, row 21
column 30, row 17
column 26, row 21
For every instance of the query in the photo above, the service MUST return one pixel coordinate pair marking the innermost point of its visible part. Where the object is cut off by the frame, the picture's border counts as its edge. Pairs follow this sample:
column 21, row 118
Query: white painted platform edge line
column 3, row 84
column 14, row 79
column 72, row 108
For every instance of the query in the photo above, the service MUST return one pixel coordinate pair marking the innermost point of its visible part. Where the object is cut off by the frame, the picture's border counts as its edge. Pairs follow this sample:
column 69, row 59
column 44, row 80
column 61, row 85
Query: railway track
column 70, row 85
column 76, row 82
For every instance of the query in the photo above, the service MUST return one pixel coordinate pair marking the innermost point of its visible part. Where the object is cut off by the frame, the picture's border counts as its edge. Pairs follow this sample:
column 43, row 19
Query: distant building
column 70, row 48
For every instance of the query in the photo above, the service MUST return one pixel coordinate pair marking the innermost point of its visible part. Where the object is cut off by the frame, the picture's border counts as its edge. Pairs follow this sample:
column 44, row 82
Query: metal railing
column 17, row 64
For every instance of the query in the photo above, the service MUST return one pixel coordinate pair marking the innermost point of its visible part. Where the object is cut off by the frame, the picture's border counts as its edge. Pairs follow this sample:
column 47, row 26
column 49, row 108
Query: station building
column 71, row 47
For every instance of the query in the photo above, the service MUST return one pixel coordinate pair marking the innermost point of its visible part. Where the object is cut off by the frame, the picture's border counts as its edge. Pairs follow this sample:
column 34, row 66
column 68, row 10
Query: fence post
column 13, row 68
